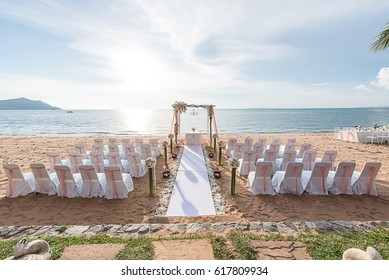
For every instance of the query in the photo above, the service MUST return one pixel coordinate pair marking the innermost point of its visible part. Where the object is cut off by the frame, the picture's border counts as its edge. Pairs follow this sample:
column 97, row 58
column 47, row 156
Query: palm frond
column 382, row 42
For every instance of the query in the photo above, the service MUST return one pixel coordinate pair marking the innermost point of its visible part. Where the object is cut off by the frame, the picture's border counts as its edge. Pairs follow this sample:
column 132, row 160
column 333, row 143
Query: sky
column 123, row 54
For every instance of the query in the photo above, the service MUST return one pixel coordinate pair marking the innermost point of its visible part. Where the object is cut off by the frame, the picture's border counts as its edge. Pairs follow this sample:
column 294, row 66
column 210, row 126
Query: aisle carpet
column 191, row 195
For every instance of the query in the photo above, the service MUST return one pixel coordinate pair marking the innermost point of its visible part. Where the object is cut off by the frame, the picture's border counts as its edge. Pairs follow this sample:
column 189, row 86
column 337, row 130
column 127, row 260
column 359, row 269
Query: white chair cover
column 247, row 163
column 127, row 148
column 19, row 184
column 80, row 148
column 248, row 141
column 97, row 148
column 258, row 148
column 93, row 184
column 329, row 156
column 289, row 156
column 364, row 182
column 54, row 160
column 276, row 141
column 138, row 144
column 98, row 161
column 114, row 160
column 275, row 146
column 126, row 141
column 136, row 165
column 340, row 181
column 270, row 155
column 154, row 146
column 262, row 141
column 259, row 180
column 113, row 148
column 146, row 151
column 304, row 147
column 230, row 146
column 289, row 181
column 69, row 184
column 75, row 161
column 315, row 182
column 45, row 183
column 118, row 184
column 99, row 142
column 238, row 150
column 112, row 140
column 309, row 159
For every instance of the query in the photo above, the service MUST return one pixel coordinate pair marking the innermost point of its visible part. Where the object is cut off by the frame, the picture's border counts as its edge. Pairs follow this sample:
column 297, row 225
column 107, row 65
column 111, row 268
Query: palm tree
column 382, row 41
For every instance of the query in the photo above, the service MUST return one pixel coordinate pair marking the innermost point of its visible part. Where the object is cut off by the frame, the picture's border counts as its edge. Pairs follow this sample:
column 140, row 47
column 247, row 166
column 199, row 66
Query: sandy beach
column 37, row 209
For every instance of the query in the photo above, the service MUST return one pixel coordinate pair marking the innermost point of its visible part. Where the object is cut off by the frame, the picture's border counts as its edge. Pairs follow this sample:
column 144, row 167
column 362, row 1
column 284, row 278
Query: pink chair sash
column 11, row 175
column 96, row 161
column 136, row 166
column 116, row 195
column 346, row 171
column 310, row 160
column 264, row 171
column 63, row 183
column 75, row 163
column 371, row 180
column 323, row 178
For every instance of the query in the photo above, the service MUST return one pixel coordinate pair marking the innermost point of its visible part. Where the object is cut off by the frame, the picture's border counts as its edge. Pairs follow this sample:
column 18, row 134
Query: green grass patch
column 232, row 246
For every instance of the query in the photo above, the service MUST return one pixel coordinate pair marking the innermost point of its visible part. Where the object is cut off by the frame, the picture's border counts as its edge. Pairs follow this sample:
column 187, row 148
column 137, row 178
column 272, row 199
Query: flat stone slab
column 280, row 250
column 195, row 249
column 91, row 252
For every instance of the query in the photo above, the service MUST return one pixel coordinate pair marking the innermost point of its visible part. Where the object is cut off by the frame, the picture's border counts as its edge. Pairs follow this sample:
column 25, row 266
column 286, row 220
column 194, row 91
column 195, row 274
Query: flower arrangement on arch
column 179, row 106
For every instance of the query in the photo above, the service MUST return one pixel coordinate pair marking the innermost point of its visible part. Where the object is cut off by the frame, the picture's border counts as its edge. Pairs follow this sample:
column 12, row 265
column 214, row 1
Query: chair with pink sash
column 259, row 180
column 19, row 184
column 364, row 182
column 127, row 148
column 258, row 148
column 80, row 148
column 146, row 151
column 270, row 155
column 288, row 147
column 126, row 141
column 230, row 146
column 262, row 141
column 136, row 165
column 247, row 163
column 238, row 150
column 45, row 183
column 75, row 161
column 138, row 144
column 248, row 141
column 315, row 182
column 118, row 184
column 276, row 140
column 70, row 185
column 289, row 181
column 93, row 184
column 309, row 159
column 304, row 147
column 339, row 181
column 289, row 156
column 98, row 161
column 329, row 156
column 99, row 142
column 97, row 148
column 154, row 146
column 54, row 160
column 275, row 146
column 114, row 160
column 112, row 140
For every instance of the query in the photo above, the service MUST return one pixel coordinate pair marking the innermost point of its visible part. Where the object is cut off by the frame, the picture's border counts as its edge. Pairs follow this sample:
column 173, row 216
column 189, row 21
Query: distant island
column 25, row 104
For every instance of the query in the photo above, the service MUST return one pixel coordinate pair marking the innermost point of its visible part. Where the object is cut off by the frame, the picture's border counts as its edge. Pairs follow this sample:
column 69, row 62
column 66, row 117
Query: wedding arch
column 180, row 107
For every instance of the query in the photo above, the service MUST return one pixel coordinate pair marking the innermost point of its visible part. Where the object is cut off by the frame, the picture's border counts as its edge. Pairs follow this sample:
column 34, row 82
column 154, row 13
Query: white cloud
column 383, row 78
column 363, row 88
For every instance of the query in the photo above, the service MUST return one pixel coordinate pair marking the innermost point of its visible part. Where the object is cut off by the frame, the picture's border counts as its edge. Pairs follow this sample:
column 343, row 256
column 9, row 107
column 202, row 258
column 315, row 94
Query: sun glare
column 138, row 69
column 136, row 120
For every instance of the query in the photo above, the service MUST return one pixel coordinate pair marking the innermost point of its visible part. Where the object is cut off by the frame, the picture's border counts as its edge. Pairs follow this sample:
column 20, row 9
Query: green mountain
column 25, row 104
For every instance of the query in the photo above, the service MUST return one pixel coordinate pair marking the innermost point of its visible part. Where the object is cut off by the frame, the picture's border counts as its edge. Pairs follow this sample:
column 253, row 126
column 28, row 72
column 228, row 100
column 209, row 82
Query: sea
column 159, row 122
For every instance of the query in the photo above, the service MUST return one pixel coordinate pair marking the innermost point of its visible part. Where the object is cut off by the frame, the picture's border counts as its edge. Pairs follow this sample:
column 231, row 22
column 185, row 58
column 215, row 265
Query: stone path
column 134, row 230
column 280, row 250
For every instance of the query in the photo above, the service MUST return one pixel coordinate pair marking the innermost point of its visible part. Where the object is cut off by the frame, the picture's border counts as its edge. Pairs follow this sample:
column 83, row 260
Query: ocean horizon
column 158, row 122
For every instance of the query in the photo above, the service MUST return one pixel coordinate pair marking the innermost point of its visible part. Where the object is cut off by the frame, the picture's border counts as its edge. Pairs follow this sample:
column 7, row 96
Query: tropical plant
column 382, row 42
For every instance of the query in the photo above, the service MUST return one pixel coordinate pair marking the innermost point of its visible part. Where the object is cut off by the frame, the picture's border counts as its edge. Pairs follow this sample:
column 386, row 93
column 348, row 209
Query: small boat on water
column 69, row 112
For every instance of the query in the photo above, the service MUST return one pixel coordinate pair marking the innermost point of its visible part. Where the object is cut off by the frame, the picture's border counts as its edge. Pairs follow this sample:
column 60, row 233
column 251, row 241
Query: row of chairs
column 112, row 183
column 250, row 158
column 320, row 181
column 133, row 163
column 236, row 150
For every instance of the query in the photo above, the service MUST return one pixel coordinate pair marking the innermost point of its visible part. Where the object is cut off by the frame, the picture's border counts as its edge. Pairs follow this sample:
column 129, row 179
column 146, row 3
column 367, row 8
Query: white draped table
column 354, row 135
column 194, row 138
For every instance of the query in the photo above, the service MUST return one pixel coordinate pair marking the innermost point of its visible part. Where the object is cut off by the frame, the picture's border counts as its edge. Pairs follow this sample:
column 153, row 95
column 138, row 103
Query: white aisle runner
column 191, row 195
